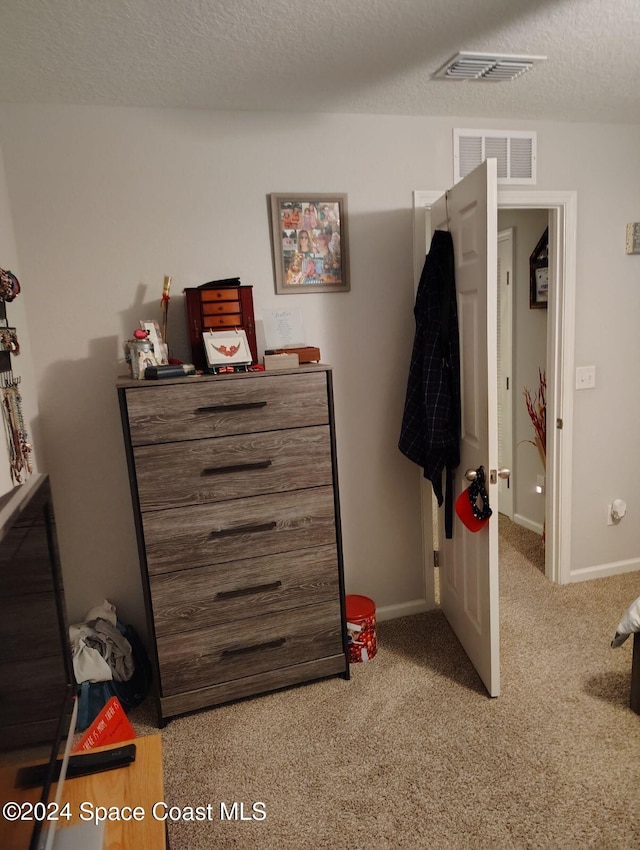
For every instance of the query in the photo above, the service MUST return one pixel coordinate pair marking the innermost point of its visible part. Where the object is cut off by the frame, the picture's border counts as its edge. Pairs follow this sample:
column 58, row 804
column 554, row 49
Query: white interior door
column 469, row 561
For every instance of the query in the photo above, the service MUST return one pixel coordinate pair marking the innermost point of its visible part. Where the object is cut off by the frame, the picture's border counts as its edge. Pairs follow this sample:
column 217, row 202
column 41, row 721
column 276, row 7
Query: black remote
column 80, row 764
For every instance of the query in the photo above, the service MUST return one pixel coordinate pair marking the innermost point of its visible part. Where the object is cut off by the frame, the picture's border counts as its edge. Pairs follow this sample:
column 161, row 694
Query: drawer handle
column 238, row 467
column 247, row 591
column 256, row 647
column 223, row 408
column 244, row 529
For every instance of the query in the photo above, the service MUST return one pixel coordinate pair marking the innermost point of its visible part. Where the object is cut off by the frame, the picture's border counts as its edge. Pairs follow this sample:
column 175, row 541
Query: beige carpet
column 412, row 753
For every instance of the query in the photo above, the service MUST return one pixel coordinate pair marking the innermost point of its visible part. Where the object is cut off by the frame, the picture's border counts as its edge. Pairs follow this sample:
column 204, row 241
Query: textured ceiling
column 354, row 56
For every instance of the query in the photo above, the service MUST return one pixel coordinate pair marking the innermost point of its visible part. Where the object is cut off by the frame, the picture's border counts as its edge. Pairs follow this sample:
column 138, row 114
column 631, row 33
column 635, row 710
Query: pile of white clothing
column 100, row 651
column 629, row 624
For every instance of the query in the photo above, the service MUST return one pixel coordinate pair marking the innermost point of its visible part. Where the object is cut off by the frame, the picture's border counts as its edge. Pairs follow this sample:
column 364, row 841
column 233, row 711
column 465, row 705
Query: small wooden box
column 306, row 353
column 219, row 306
column 286, row 360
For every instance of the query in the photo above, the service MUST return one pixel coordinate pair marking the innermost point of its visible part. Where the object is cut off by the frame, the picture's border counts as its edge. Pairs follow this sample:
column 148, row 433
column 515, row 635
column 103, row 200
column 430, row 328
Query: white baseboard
column 605, row 570
column 528, row 523
column 403, row 609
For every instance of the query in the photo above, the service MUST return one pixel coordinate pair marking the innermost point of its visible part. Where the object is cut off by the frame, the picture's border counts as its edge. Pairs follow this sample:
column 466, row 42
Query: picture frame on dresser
column 226, row 348
column 160, row 349
column 310, row 242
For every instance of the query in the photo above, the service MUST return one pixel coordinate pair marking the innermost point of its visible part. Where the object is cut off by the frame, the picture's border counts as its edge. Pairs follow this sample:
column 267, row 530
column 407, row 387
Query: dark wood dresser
column 235, row 494
column 35, row 662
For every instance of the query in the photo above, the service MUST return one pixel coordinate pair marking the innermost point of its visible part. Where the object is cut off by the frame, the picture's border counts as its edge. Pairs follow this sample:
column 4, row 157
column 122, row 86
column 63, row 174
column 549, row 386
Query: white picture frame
column 542, row 285
column 283, row 329
column 226, row 348
column 155, row 338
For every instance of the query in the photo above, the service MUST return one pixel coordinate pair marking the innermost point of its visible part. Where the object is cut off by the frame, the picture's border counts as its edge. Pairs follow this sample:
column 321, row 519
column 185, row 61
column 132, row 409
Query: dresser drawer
column 215, row 308
column 222, row 320
column 221, row 653
column 222, row 468
column 35, row 685
column 196, row 599
column 233, row 404
column 30, row 556
column 38, row 608
column 227, row 293
column 183, row 538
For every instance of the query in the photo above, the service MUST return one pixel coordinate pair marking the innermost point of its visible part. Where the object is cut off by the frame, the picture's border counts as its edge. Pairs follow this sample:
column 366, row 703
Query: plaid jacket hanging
column 430, row 434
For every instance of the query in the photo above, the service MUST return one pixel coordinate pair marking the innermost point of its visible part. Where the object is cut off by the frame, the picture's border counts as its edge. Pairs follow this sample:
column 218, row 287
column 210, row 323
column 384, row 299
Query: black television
column 37, row 685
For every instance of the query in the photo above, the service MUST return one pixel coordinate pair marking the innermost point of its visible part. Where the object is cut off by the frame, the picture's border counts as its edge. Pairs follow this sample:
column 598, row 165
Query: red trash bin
column 361, row 627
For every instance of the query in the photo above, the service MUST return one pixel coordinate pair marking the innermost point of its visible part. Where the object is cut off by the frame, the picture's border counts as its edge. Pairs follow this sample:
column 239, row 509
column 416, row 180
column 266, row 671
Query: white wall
column 105, row 202
column 529, row 355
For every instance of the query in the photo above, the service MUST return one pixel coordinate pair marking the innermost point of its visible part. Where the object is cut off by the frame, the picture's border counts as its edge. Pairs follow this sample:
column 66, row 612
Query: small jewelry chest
column 219, row 307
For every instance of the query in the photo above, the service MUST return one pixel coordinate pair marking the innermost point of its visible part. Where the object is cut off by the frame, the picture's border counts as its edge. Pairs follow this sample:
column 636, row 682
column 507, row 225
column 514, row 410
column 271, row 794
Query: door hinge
column 507, row 383
column 559, row 424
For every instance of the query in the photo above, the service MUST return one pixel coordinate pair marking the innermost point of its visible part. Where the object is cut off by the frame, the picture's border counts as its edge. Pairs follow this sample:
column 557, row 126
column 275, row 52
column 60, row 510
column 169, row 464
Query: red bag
column 471, row 514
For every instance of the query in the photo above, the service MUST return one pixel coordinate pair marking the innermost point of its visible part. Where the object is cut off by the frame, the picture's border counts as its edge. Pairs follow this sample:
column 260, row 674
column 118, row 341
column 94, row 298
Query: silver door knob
column 494, row 474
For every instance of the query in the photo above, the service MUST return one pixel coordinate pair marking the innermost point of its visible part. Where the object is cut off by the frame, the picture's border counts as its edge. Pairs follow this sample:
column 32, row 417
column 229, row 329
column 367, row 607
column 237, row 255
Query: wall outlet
column 585, row 377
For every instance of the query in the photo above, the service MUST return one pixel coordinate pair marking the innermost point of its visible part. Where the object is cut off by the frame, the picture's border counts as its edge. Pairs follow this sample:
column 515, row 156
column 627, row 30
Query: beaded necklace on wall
column 19, row 447
column 12, row 411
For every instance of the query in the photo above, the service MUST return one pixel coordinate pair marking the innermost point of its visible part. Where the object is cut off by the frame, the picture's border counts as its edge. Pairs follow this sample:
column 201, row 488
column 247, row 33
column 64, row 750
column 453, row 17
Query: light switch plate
column 585, row 377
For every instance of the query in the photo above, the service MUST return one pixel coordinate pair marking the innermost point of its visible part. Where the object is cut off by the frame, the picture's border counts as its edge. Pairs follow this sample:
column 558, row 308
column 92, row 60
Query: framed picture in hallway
column 539, row 273
column 310, row 242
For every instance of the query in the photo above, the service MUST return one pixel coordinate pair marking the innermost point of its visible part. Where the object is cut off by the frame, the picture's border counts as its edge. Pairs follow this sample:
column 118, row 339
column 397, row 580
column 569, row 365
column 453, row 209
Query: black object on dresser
column 235, row 495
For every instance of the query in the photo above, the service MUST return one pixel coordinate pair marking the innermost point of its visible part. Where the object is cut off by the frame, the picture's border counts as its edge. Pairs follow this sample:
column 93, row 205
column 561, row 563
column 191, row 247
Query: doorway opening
column 522, row 371
column 522, row 349
column 560, row 211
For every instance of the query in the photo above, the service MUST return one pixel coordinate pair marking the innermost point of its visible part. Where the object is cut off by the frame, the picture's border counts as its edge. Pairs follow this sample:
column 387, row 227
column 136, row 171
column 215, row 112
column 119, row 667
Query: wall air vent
column 514, row 150
column 486, row 67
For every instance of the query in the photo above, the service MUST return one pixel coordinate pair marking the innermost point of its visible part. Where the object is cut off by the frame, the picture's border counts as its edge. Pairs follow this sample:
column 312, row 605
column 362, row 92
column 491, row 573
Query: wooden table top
column 139, row 786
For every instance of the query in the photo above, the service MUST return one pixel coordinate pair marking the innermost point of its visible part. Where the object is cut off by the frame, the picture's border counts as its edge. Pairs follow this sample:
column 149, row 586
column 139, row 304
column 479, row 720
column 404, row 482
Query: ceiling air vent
column 486, row 67
column 515, row 151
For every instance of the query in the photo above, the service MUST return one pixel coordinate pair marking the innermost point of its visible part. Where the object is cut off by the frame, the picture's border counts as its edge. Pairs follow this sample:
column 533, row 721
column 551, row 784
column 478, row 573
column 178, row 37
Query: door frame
column 505, row 491
column 562, row 207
